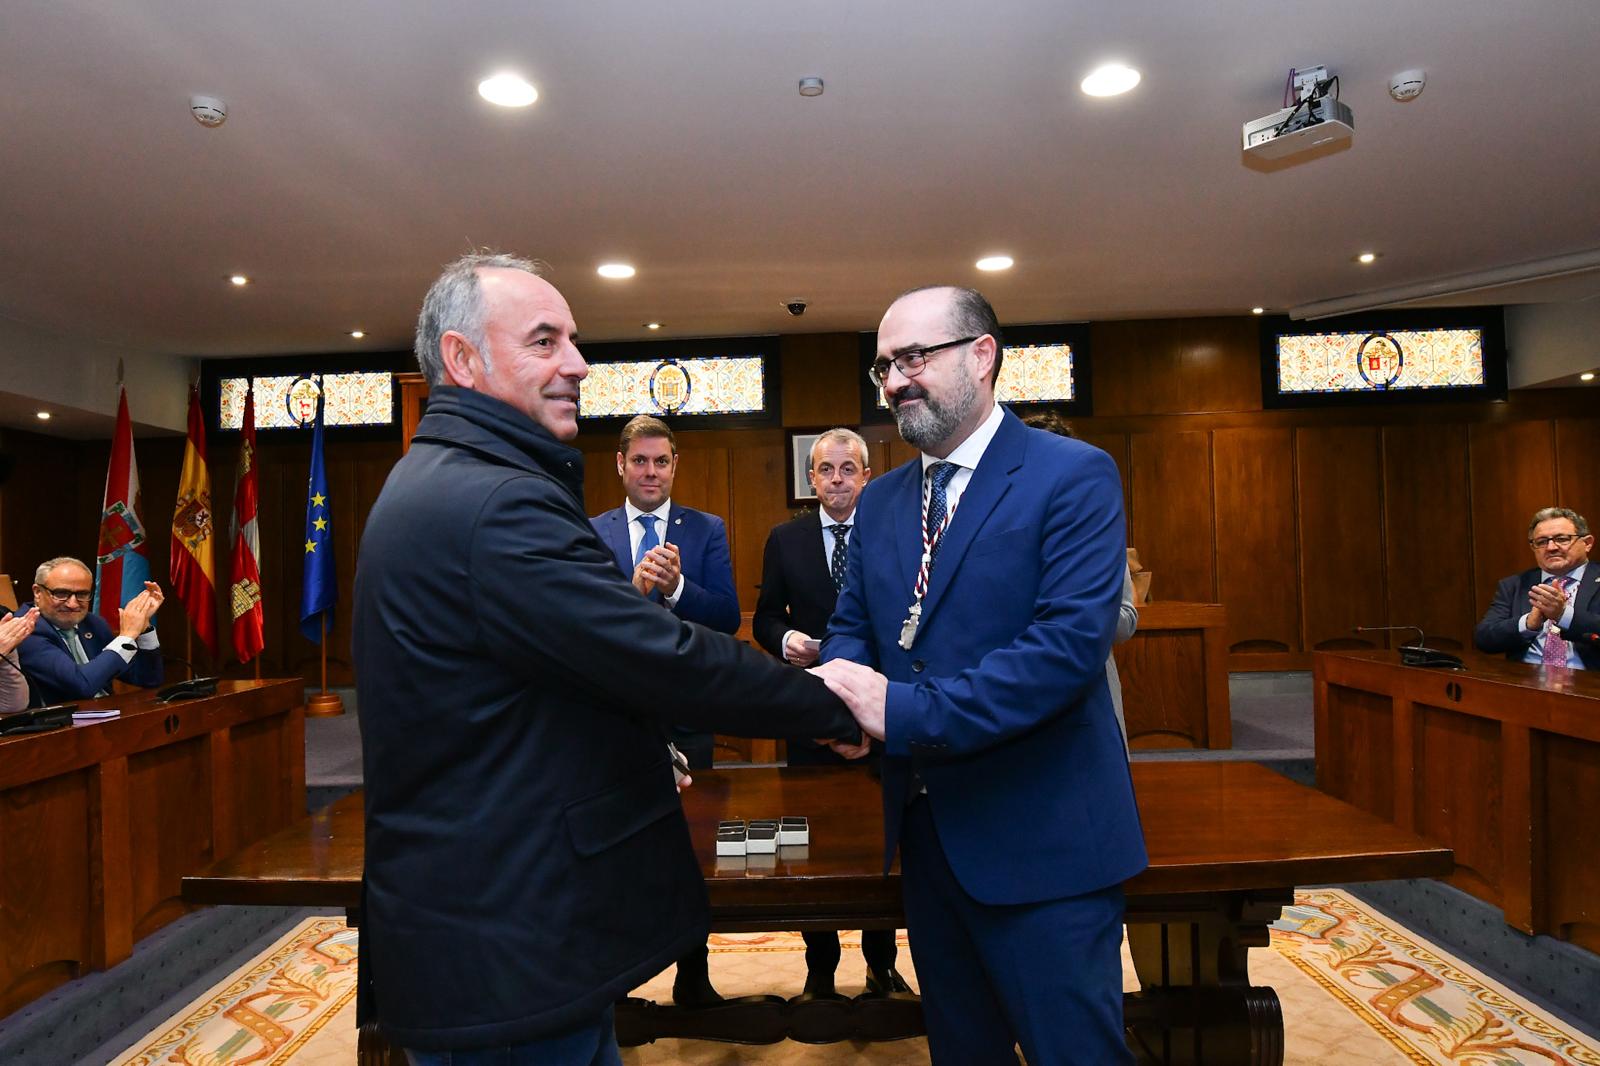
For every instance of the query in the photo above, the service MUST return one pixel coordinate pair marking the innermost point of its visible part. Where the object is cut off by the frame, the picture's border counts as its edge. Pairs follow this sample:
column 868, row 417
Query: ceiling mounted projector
column 1314, row 119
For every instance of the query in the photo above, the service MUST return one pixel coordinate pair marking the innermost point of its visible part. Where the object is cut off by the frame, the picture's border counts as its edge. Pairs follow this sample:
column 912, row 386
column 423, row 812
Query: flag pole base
column 324, row 705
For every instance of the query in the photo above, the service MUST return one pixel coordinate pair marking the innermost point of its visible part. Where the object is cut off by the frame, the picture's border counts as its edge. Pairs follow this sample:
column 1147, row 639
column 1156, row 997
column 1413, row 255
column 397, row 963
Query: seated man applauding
column 72, row 654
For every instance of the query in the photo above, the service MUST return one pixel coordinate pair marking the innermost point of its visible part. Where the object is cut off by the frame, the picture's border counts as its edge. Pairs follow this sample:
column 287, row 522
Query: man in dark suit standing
column 72, row 654
column 1549, row 615
column 527, row 859
column 673, row 554
column 980, row 606
column 801, row 573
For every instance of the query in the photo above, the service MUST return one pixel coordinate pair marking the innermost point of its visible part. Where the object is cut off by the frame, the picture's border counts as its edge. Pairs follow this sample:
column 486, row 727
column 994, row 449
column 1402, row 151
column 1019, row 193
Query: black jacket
column 527, row 858
column 796, row 585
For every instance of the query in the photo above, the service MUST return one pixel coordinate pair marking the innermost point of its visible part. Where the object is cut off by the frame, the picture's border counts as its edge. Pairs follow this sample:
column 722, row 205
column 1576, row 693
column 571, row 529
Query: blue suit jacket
column 1001, row 705
column 57, row 678
column 708, row 593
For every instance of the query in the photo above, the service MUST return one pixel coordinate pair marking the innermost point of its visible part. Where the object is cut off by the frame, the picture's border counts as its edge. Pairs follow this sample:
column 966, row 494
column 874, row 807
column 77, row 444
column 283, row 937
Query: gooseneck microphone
column 1418, row 654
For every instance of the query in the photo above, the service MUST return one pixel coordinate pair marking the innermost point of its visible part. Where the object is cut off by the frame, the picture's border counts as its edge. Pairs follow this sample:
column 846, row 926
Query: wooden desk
column 1227, row 841
column 1174, row 673
column 1500, row 762
column 100, row 821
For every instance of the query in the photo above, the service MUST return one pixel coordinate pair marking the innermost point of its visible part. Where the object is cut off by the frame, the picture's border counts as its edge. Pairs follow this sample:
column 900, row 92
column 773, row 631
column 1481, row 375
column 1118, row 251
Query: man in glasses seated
column 74, row 655
column 1549, row 615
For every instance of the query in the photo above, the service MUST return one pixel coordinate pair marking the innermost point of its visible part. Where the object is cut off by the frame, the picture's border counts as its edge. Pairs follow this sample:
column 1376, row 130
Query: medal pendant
column 908, row 628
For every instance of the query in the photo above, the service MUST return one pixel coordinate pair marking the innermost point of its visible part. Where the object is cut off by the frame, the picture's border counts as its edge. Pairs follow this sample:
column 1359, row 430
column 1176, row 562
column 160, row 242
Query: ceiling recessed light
column 1587, row 375
column 994, row 262
column 652, row 325
column 1110, row 79
column 507, row 90
column 44, row 416
column 1258, row 310
column 1367, row 257
column 615, row 270
column 239, row 279
column 358, row 334
column 811, row 86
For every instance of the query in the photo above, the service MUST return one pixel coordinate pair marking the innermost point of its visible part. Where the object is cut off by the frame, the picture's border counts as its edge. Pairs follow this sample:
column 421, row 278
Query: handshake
column 865, row 692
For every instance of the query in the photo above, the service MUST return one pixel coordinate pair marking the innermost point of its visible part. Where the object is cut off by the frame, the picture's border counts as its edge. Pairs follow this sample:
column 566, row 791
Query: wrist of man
column 784, row 644
column 125, row 647
column 149, row 640
column 672, row 597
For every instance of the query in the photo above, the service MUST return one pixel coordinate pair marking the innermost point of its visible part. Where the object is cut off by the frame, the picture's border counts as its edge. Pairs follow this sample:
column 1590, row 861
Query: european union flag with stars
column 319, row 587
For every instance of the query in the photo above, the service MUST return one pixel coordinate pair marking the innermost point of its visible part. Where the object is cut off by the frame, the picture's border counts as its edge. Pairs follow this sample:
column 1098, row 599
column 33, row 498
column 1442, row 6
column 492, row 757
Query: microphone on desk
column 1418, row 654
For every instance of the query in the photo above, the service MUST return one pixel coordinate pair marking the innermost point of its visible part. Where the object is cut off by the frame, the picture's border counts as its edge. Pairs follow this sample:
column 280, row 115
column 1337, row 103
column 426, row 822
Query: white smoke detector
column 208, row 111
column 811, row 86
column 1407, row 85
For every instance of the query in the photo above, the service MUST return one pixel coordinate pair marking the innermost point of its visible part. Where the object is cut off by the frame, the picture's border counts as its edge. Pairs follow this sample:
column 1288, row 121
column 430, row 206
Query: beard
column 933, row 421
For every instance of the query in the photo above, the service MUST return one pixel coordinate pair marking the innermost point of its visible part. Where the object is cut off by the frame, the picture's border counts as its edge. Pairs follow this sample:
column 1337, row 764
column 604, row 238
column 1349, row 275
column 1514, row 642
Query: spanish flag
column 192, row 529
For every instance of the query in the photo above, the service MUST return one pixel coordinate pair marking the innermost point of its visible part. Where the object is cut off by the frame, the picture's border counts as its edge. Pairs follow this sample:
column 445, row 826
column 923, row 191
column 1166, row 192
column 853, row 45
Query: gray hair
column 1547, row 513
column 839, row 435
column 455, row 304
column 48, row 565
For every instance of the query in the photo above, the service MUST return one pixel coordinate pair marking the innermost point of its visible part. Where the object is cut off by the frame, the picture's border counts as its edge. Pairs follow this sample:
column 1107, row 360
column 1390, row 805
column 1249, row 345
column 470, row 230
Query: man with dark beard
column 980, row 610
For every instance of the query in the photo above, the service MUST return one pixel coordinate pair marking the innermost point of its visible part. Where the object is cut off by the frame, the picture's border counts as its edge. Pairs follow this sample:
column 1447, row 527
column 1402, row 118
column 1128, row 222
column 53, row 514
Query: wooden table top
column 1209, row 826
column 1491, row 669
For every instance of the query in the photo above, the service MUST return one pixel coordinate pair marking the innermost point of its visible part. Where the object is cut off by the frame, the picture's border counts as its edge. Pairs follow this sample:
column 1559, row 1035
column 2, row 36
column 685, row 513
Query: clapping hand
column 135, row 617
column 15, row 628
column 658, row 569
column 1547, row 602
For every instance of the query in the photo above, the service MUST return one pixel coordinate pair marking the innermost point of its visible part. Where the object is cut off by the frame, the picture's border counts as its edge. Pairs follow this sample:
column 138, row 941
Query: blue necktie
column 649, row 540
column 940, row 474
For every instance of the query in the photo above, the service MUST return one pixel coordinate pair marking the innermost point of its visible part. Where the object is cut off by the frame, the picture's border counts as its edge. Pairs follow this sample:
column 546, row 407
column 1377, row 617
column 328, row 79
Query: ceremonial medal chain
column 908, row 628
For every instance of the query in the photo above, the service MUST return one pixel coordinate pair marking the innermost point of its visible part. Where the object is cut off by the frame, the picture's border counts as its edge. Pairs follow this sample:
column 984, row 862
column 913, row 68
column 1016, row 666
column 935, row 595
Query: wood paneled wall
column 1303, row 523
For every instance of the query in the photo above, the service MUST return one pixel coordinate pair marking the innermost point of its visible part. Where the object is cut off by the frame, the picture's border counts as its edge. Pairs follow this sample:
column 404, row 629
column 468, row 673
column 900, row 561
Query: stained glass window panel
column 713, row 385
column 363, row 399
column 1032, row 373
column 1380, row 362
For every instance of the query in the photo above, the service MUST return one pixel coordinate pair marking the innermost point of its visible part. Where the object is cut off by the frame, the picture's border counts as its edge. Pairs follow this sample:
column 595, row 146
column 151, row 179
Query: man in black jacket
column 527, row 858
column 801, row 572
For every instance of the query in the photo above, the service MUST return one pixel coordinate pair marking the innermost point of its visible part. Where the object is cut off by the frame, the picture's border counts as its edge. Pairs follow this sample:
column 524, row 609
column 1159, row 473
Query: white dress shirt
column 827, row 559
column 636, row 534
column 966, row 456
column 1535, row 652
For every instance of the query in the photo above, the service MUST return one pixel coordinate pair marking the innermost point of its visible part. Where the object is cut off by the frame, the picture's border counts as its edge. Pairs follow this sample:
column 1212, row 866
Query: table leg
column 1196, row 1004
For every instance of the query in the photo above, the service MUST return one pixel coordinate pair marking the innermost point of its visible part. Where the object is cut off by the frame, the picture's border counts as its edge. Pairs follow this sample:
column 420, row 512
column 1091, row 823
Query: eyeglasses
column 1560, row 540
column 911, row 361
column 63, row 595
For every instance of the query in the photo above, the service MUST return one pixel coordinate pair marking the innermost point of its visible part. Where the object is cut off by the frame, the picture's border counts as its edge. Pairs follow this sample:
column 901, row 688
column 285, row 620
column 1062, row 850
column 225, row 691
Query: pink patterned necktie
column 1555, row 645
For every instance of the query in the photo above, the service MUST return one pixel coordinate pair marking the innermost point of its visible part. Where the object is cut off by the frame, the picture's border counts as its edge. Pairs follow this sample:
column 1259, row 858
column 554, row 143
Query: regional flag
column 244, row 577
column 193, row 547
column 122, row 558
column 319, row 587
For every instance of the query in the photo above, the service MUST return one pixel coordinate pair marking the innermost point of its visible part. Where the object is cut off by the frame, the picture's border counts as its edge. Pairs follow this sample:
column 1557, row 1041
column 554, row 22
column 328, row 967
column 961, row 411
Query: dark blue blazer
column 1499, row 631
column 1001, row 705
column 57, row 678
column 708, row 593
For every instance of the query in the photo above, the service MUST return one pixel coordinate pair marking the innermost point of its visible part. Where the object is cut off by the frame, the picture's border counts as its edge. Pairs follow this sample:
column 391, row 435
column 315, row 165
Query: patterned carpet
column 1356, row 988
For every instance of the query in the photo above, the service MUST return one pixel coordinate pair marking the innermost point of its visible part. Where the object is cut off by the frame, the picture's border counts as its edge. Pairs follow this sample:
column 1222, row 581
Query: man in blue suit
column 672, row 554
column 679, row 558
column 980, row 600
column 72, row 654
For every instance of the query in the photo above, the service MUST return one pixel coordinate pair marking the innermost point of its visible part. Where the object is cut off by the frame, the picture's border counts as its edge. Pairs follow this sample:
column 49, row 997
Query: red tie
column 1555, row 645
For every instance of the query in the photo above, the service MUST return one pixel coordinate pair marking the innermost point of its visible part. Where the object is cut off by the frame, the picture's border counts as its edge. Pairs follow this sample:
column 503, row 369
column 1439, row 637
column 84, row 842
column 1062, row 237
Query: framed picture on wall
column 801, row 493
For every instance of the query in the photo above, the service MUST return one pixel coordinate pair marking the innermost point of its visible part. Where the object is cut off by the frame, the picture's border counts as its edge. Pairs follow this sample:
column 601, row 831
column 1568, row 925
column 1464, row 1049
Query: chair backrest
column 8, row 593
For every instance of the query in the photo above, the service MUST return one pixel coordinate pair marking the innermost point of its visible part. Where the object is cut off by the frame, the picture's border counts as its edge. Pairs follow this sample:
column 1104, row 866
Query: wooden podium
column 100, row 822
column 1174, row 673
column 1500, row 762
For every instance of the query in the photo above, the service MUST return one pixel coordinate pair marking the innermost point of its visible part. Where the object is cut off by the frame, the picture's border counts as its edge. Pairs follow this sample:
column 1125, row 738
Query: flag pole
column 324, row 704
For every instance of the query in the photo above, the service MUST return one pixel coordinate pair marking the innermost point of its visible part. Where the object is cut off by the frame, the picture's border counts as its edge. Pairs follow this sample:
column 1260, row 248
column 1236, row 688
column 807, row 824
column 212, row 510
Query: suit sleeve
column 539, row 572
column 1052, row 664
column 708, row 595
column 1500, row 631
column 1128, row 612
column 771, row 619
column 146, row 670
column 54, row 671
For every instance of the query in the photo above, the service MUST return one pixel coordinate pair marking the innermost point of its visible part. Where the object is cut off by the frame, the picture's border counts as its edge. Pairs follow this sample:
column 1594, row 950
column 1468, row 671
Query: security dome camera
column 795, row 307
